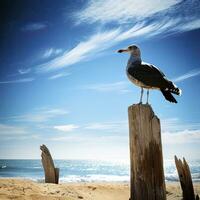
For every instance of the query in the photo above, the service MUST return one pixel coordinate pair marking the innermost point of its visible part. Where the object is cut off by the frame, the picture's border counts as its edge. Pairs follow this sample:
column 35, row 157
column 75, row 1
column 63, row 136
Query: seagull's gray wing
column 149, row 75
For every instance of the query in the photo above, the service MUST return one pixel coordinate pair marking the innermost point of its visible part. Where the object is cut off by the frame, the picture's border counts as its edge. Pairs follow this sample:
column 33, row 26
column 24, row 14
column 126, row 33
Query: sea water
column 86, row 170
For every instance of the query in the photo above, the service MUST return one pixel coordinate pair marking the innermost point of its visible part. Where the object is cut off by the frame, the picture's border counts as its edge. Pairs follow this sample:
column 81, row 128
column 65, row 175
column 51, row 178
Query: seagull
column 148, row 76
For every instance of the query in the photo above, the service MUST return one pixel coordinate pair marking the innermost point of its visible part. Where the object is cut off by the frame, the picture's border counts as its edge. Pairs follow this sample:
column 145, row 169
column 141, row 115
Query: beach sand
column 29, row 190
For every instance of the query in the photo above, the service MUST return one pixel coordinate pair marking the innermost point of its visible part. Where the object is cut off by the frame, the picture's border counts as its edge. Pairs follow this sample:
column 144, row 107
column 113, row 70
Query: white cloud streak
column 40, row 115
column 66, row 128
column 72, row 138
column 173, row 133
column 181, row 137
column 59, row 75
column 10, row 132
column 121, row 11
column 7, row 130
column 95, row 45
column 52, row 52
column 102, row 41
column 116, row 126
column 175, row 125
column 171, row 125
column 187, row 75
column 83, row 51
column 142, row 19
column 24, row 71
column 193, row 24
column 120, row 86
column 23, row 80
column 35, row 26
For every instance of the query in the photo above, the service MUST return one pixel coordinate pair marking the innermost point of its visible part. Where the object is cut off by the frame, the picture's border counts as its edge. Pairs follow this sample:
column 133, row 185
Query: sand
column 29, row 190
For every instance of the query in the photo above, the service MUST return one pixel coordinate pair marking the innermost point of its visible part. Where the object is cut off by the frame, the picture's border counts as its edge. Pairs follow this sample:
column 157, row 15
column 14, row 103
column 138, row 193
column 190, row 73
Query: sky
column 63, row 84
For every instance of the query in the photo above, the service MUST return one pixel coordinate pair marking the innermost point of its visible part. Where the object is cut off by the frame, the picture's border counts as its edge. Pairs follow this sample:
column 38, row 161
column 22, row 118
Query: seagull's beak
column 122, row 50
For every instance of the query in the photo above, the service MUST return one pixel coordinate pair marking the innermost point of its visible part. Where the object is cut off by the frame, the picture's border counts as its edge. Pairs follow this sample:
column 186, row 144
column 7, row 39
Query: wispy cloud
column 88, row 139
column 170, row 125
column 115, row 126
column 24, row 71
column 59, row 75
column 137, row 30
column 52, row 52
column 133, row 20
column 189, row 25
column 40, row 115
column 66, row 128
column 121, row 86
column 161, row 14
column 121, row 11
column 97, row 44
column 83, row 51
column 23, row 80
column 190, row 74
column 176, row 125
column 10, row 132
column 34, row 26
column 181, row 137
column 74, row 138
column 173, row 131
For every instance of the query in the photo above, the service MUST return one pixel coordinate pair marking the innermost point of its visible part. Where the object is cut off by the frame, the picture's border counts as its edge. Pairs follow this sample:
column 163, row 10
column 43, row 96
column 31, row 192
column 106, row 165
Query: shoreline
column 25, row 189
column 96, row 181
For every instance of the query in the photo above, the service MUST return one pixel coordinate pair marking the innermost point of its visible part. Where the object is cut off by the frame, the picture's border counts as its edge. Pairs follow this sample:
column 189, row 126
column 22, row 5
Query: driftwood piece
column 185, row 179
column 51, row 173
column 146, row 159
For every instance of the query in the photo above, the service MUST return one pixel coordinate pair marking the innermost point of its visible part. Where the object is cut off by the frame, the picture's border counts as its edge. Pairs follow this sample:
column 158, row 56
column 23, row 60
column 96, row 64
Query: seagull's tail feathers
column 174, row 89
column 168, row 96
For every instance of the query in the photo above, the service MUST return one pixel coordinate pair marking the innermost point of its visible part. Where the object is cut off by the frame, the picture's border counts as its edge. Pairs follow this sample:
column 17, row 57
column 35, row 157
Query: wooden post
column 147, row 174
column 185, row 179
column 51, row 173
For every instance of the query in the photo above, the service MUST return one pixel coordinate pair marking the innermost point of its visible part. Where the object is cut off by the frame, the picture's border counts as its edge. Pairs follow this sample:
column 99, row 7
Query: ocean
column 85, row 170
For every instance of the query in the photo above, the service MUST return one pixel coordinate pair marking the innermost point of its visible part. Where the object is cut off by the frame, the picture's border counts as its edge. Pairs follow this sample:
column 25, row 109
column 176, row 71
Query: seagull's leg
column 142, row 90
column 147, row 96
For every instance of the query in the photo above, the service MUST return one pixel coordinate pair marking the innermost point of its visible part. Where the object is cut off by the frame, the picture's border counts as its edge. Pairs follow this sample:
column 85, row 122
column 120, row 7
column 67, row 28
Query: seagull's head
column 132, row 49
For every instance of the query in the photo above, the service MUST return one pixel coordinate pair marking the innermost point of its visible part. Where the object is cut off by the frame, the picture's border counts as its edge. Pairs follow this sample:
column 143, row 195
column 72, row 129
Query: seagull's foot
column 140, row 103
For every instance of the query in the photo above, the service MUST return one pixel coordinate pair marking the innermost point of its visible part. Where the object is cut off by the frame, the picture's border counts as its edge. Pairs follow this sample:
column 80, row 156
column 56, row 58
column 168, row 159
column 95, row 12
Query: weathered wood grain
column 147, row 174
column 51, row 173
column 185, row 179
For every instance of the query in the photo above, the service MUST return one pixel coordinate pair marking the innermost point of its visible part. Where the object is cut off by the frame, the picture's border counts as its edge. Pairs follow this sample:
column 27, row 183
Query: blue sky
column 63, row 84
